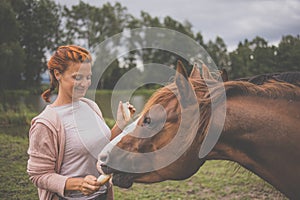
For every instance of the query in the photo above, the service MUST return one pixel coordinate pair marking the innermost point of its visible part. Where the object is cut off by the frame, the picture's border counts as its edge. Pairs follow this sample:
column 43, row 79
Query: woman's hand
column 122, row 118
column 89, row 185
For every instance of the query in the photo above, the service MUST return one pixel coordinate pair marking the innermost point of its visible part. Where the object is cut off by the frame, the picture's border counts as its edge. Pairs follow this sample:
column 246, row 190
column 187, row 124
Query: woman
column 66, row 137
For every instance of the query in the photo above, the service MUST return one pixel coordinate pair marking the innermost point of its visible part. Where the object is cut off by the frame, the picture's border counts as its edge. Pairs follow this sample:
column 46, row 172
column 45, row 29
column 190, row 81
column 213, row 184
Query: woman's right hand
column 89, row 185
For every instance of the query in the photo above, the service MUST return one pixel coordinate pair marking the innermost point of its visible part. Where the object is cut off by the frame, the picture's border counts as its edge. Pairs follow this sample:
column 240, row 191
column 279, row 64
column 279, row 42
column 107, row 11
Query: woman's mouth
column 80, row 90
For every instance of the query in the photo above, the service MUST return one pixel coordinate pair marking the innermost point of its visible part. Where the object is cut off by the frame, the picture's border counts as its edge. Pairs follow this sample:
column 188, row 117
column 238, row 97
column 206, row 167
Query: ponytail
column 46, row 95
column 53, row 84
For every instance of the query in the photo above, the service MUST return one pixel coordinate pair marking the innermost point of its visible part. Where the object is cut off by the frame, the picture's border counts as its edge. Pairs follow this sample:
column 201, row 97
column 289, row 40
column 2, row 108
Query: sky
column 232, row 20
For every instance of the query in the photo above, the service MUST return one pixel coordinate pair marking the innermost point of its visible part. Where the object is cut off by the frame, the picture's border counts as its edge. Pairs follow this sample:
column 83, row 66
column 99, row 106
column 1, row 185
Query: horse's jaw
column 126, row 180
column 151, row 177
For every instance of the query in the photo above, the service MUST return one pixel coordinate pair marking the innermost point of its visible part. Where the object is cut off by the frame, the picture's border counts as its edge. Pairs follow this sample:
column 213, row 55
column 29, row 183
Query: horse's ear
column 186, row 95
column 195, row 74
column 180, row 69
column 206, row 73
column 224, row 75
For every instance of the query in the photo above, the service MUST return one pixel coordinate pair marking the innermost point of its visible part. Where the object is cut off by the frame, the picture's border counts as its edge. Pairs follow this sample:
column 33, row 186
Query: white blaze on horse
column 261, row 132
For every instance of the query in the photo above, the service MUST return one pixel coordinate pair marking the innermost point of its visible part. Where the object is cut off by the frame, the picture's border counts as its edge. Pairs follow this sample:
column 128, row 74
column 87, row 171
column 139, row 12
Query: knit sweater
column 46, row 150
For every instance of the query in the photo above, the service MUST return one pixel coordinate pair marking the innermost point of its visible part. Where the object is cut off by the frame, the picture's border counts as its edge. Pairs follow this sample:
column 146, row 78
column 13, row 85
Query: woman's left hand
column 122, row 117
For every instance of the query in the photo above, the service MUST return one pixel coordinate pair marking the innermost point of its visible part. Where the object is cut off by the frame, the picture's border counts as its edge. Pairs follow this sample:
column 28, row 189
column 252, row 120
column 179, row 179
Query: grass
column 15, row 115
column 14, row 180
column 215, row 180
column 144, row 92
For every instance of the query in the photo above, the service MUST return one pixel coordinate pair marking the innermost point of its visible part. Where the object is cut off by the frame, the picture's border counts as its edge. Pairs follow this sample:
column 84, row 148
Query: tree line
column 32, row 29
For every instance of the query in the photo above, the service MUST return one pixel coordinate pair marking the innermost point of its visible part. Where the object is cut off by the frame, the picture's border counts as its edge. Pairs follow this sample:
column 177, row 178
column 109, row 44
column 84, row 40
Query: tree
column 91, row 25
column 289, row 53
column 240, row 59
column 263, row 57
column 11, row 54
column 218, row 51
column 12, row 64
column 39, row 26
column 199, row 39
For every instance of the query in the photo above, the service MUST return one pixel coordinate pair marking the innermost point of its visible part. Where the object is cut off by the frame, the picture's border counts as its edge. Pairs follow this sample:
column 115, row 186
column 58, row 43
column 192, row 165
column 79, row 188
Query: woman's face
column 75, row 81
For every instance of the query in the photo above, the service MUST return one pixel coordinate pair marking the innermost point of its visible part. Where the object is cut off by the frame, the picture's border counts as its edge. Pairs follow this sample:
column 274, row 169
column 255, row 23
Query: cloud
column 233, row 20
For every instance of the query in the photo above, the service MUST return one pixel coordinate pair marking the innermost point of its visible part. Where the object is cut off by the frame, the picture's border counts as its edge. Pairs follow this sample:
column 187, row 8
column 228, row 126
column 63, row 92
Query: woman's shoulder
column 93, row 105
column 89, row 101
column 47, row 117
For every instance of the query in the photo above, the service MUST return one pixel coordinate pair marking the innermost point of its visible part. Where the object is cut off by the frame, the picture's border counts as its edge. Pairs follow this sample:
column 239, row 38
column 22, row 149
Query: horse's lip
column 120, row 179
column 123, row 180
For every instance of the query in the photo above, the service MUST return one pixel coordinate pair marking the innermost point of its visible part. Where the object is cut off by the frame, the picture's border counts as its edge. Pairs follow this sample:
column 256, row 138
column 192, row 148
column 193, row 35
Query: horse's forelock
column 161, row 96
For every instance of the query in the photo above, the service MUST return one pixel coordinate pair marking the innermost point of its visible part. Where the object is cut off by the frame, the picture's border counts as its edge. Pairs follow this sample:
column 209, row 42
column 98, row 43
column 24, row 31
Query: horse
column 260, row 132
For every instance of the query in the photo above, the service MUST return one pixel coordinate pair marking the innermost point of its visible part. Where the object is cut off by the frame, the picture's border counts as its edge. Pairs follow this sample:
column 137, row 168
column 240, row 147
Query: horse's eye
column 147, row 120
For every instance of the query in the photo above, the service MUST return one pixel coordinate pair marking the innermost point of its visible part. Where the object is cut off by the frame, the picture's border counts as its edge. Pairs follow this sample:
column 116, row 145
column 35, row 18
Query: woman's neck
column 63, row 100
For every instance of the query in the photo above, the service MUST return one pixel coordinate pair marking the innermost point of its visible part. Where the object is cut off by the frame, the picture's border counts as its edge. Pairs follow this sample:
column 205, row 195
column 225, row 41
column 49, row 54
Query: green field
column 215, row 180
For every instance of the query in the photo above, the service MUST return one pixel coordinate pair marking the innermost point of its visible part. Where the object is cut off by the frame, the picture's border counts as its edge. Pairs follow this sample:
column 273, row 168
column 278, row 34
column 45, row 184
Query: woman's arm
column 41, row 166
column 122, row 120
column 115, row 131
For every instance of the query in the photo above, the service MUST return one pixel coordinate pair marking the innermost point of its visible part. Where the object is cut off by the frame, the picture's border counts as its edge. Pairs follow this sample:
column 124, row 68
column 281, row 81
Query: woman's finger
column 90, row 185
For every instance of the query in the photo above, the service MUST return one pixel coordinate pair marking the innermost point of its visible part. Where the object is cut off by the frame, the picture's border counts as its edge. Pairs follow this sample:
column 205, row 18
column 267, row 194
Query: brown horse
column 261, row 132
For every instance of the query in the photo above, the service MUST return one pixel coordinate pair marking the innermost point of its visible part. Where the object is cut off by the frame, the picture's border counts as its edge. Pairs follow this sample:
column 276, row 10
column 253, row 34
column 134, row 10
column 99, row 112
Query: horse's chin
column 123, row 180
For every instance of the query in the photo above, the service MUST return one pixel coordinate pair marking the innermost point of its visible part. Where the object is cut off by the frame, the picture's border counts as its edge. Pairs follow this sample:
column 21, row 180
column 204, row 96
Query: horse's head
column 164, row 142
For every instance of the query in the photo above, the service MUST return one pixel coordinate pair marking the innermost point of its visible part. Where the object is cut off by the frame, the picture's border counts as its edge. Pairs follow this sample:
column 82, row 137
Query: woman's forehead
column 83, row 68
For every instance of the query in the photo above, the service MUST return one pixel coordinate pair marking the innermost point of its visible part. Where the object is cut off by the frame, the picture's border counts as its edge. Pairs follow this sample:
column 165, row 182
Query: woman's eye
column 78, row 78
column 147, row 120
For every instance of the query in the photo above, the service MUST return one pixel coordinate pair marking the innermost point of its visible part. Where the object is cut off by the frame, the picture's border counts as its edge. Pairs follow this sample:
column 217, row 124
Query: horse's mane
column 270, row 89
column 289, row 77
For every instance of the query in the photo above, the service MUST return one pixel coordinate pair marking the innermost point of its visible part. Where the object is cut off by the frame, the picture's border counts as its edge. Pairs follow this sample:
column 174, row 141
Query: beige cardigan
column 46, row 150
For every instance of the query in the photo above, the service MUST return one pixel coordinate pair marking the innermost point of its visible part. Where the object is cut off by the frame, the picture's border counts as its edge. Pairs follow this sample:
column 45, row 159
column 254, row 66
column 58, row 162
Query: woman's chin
column 78, row 94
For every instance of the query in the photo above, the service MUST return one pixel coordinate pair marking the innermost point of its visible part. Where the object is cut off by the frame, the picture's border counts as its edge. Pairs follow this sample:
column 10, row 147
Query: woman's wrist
column 115, row 131
column 73, row 184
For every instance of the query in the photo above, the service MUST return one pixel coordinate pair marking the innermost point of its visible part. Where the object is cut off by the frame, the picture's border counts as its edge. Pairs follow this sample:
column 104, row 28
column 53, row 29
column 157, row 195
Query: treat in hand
column 103, row 178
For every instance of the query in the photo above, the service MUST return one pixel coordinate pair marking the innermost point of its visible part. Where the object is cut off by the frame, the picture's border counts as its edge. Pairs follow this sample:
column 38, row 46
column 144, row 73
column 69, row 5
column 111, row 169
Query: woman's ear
column 57, row 74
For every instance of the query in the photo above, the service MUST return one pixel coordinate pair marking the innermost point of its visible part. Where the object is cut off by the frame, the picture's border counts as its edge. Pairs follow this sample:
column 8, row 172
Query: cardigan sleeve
column 43, row 153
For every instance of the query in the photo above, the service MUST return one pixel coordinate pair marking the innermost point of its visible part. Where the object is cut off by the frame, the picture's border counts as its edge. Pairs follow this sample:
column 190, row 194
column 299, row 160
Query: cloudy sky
column 232, row 20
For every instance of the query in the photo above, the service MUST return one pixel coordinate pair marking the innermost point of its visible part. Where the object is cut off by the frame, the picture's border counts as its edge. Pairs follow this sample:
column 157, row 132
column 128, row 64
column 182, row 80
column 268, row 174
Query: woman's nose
column 85, row 83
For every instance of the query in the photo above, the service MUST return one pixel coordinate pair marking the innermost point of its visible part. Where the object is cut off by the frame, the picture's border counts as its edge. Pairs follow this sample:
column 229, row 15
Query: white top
column 86, row 136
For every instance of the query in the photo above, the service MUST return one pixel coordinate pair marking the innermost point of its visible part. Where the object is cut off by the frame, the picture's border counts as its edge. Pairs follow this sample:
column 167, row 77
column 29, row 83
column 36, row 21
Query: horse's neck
column 262, row 135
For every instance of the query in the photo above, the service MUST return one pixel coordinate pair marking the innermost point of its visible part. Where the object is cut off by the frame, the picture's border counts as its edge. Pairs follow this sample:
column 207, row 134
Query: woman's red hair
column 64, row 57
